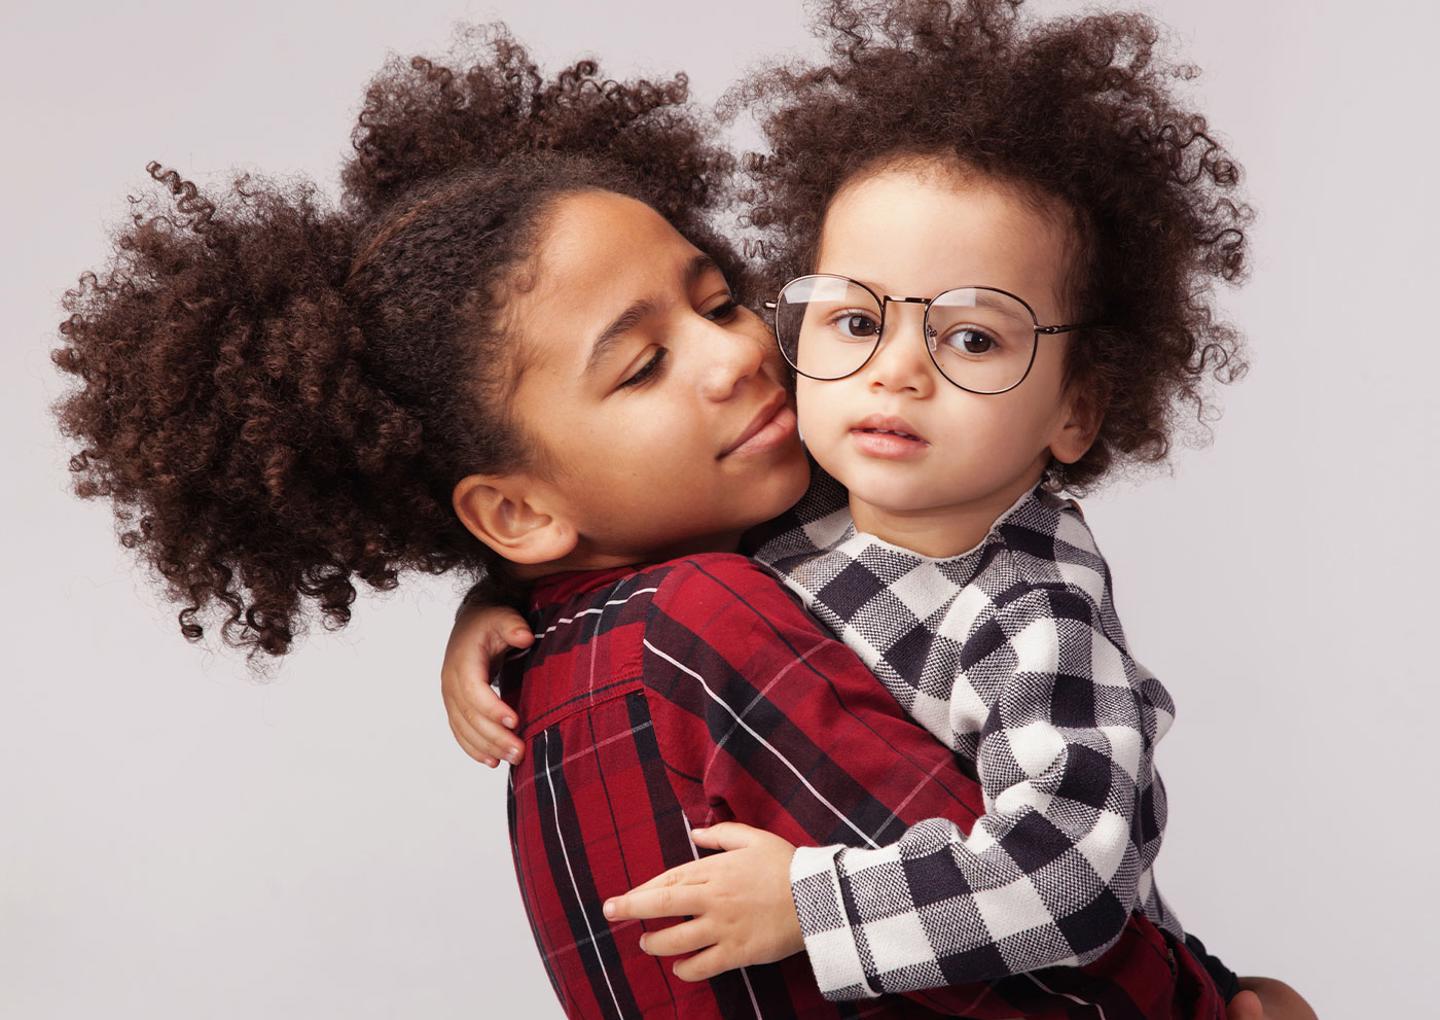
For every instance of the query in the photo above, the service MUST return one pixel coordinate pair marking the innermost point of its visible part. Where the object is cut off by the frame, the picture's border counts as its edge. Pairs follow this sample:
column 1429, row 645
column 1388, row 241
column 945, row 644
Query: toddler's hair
column 1079, row 109
column 278, row 397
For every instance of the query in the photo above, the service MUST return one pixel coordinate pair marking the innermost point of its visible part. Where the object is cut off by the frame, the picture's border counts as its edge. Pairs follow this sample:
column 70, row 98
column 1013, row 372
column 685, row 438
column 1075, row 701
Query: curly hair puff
column 1076, row 109
column 279, row 397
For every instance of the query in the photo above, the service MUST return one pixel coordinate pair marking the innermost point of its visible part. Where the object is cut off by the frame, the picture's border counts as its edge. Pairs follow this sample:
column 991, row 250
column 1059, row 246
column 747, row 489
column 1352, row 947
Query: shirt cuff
column 829, row 940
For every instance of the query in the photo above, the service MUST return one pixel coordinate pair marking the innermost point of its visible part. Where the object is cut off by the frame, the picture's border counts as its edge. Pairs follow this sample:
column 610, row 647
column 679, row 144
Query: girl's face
column 658, row 405
column 963, row 458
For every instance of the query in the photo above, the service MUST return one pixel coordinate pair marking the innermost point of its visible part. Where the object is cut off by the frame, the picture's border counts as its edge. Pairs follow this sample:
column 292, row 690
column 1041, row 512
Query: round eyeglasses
column 981, row 339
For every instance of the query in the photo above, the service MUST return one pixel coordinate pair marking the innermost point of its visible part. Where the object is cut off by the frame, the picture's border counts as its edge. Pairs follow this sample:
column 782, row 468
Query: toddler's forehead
column 914, row 231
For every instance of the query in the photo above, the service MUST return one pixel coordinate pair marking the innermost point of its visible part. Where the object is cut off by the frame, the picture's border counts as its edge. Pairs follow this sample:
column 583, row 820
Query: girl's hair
column 279, row 397
column 1077, row 109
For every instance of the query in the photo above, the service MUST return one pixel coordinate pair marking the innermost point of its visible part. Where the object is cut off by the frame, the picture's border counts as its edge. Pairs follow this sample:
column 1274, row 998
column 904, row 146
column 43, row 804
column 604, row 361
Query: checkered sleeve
column 1049, row 873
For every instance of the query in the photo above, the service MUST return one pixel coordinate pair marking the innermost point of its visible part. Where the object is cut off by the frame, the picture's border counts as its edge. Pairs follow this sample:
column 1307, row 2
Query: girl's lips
column 888, row 445
column 777, row 430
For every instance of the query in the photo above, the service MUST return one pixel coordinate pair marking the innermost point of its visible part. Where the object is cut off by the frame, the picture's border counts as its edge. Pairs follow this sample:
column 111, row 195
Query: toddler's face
column 958, row 455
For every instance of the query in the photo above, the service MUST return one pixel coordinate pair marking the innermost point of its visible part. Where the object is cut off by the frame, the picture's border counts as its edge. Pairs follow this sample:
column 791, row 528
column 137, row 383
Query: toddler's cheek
column 814, row 408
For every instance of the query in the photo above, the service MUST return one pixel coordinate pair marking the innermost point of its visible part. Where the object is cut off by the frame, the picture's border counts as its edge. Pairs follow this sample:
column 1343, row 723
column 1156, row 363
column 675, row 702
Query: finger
column 704, row 965
column 491, row 651
column 519, row 634
column 672, row 901
column 494, row 739
column 509, row 632
column 475, row 695
column 486, row 739
column 467, row 707
column 685, row 937
column 505, row 618
column 727, row 836
column 474, row 752
column 690, row 873
column 1245, row 1006
column 468, row 742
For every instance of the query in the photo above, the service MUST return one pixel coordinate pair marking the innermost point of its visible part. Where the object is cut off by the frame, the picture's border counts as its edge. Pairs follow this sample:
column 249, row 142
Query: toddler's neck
column 943, row 531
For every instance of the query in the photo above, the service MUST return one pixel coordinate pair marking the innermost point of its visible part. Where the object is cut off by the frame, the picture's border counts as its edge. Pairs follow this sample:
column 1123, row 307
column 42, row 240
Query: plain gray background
column 178, row 841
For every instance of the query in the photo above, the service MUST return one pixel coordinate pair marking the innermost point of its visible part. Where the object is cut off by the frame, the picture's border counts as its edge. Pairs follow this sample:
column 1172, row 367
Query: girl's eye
column 723, row 312
column 646, row 371
column 969, row 340
column 856, row 325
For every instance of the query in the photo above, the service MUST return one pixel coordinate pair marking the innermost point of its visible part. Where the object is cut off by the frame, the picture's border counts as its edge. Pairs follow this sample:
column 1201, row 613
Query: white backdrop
column 178, row 841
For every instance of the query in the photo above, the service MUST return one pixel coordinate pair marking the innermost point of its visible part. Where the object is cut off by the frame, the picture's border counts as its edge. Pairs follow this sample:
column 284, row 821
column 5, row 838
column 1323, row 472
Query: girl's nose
column 902, row 362
column 733, row 357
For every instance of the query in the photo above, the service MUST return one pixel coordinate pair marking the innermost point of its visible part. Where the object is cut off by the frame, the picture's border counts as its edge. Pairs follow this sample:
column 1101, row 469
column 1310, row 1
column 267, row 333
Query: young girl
column 1041, row 291
column 500, row 336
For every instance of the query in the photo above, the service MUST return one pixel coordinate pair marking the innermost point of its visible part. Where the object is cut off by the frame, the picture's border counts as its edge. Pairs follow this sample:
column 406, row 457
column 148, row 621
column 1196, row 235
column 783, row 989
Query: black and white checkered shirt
column 1012, row 655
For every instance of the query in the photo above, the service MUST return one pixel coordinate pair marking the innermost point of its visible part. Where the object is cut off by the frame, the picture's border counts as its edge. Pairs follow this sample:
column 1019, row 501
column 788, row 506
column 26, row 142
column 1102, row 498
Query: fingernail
column 609, row 908
column 512, row 755
column 697, row 832
column 642, row 944
column 509, row 722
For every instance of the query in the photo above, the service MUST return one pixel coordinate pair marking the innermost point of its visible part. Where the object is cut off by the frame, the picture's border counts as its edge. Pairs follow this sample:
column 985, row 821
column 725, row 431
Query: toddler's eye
column 857, row 326
column 971, row 341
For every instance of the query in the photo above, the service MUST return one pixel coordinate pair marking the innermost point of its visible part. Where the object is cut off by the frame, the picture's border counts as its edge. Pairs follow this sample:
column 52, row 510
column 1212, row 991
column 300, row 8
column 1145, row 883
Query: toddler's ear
column 516, row 516
column 1078, row 427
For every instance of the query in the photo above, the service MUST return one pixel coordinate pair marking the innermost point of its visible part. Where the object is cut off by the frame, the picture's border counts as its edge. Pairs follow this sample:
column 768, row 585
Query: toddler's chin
column 892, row 499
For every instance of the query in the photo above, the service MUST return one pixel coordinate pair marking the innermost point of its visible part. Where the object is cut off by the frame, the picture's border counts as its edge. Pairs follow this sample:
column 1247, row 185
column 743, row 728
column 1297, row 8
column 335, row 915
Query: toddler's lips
column 888, row 437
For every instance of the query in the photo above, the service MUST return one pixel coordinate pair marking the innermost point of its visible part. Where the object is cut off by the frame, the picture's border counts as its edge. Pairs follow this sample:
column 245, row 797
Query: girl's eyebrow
column 632, row 315
column 619, row 326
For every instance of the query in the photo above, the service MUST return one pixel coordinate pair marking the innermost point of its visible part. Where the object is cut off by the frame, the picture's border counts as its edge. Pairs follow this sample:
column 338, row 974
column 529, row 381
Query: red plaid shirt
column 699, row 691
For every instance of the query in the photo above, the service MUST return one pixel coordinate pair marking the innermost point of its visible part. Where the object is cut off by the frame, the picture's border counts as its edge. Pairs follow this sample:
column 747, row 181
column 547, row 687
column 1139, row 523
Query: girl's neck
column 589, row 557
column 943, row 531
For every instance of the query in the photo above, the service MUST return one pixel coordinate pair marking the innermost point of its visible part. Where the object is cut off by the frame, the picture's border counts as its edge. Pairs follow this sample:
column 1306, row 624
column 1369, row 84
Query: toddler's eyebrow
column 631, row 316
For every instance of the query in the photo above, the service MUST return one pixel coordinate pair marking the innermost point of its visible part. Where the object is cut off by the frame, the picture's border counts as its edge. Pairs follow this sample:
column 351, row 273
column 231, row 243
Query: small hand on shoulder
column 738, row 903
column 481, row 722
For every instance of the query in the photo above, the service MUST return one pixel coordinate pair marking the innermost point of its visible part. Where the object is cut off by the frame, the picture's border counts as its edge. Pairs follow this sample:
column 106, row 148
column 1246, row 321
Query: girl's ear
column 1079, row 425
column 515, row 515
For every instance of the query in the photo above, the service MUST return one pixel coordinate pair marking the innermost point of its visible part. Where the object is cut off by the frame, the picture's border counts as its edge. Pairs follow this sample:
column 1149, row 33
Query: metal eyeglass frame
column 928, row 332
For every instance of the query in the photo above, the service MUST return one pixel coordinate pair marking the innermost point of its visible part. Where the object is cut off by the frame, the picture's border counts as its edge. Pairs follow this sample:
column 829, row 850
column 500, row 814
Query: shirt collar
column 555, row 589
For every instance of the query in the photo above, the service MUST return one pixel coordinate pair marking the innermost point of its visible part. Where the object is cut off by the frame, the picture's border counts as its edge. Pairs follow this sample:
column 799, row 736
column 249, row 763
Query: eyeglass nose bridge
column 930, row 333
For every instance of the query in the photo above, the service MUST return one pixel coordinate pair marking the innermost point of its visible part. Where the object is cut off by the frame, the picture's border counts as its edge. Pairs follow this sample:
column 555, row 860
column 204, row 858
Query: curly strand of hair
column 188, row 198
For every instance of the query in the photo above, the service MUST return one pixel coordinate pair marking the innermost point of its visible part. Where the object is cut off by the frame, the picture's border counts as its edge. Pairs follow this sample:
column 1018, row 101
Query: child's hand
column 480, row 721
column 740, row 904
column 1268, row 999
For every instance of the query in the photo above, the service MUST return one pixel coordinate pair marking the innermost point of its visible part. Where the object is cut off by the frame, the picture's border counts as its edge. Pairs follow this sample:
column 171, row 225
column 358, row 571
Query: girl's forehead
column 592, row 234
column 596, row 250
column 600, row 256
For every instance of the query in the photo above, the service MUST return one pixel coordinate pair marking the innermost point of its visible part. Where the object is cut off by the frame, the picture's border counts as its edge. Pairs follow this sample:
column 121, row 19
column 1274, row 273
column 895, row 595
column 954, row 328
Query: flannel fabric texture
column 1013, row 656
column 697, row 691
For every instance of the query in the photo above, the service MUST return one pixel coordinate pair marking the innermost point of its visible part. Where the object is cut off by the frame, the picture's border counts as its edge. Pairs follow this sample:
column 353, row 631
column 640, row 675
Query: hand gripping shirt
column 699, row 690
column 1012, row 655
